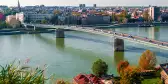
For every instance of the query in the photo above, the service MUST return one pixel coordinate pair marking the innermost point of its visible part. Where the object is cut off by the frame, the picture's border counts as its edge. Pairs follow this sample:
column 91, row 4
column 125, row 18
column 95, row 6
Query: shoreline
column 125, row 25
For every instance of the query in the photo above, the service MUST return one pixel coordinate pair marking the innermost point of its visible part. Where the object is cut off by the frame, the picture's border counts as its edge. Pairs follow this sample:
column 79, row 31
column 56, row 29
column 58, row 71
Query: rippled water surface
column 75, row 54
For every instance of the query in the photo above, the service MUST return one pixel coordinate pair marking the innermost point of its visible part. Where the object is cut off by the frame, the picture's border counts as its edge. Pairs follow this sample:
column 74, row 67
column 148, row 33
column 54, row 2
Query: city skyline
column 87, row 2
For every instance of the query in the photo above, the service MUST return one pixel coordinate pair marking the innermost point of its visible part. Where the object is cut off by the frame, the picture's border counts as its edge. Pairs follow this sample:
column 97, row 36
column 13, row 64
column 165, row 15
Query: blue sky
column 87, row 2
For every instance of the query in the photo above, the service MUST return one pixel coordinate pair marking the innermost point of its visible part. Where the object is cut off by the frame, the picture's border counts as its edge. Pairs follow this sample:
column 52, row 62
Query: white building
column 37, row 16
column 20, row 17
column 154, row 12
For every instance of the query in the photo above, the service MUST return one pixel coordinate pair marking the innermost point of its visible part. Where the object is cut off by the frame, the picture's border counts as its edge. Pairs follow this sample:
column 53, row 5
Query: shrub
column 11, row 74
column 62, row 82
column 99, row 68
column 147, row 60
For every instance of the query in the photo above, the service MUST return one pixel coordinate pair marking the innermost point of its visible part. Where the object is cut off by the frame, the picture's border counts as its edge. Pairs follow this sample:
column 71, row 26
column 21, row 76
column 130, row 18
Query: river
column 77, row 51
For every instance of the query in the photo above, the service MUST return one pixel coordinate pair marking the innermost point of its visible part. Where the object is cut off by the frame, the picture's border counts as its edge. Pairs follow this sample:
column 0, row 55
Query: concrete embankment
column 24, row 31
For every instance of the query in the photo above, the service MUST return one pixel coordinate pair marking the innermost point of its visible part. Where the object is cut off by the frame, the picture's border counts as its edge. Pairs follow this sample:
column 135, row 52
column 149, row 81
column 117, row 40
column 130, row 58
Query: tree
column 131, row 75
column 128, row 74
column 56, row 12
column 99, row 68
column 128, row 16
column 43, row 21
column 121, row 66
column 113, row 17
column 146, row 15
column 147, row 60
column 54, row 19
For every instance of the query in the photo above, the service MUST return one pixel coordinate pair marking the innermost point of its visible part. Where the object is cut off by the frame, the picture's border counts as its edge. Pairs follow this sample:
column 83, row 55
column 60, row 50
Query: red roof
column 85, row 79
column 81, row 79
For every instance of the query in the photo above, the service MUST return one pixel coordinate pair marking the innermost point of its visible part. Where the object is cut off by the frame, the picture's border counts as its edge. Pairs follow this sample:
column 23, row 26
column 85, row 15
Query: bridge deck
column 137, row 39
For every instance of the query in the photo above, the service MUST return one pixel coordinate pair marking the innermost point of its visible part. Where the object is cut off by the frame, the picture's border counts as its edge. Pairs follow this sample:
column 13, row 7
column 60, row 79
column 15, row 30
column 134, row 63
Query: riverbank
column 128, row 25
column 15, row 31
column 23, row 31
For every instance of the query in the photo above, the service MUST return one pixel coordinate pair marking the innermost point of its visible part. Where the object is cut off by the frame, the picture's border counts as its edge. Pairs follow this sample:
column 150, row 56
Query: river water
column 74, row 54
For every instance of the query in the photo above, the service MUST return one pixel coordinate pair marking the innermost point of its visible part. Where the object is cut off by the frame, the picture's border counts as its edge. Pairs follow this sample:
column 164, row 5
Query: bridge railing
column 126, row 35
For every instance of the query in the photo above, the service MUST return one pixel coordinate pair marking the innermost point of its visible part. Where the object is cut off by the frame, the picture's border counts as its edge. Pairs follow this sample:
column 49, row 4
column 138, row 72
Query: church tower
column 19, row 6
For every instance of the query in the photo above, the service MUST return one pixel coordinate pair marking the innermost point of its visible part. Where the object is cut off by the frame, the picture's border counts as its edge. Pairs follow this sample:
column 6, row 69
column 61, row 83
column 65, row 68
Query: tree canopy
column 99, row 68
column 128, row 74
column 147, row 60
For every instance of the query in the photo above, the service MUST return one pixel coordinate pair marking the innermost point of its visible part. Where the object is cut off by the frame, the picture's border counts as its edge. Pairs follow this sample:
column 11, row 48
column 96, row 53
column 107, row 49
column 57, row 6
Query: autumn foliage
column 62, row 82
column 121, row 66
column 147, row 60
column 128, row 74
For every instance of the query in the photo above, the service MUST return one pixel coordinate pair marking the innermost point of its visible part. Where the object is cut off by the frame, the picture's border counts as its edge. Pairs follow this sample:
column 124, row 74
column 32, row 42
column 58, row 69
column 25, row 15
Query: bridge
column 119, row 37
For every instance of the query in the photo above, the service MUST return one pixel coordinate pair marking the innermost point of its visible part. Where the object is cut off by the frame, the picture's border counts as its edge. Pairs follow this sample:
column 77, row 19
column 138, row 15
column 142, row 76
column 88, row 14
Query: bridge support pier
column 59, row 33
column 118, row 45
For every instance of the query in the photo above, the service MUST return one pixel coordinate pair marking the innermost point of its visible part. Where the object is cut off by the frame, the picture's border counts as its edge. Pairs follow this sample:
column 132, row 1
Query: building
column 164, row 72
column 154, row 12
column 3, row 7
column 87, row 79
column 32, row 17
column 92, row 20
column 20, row 17
column 82, row 5
column 94, row 5
column 19, row 8
column 12, row 21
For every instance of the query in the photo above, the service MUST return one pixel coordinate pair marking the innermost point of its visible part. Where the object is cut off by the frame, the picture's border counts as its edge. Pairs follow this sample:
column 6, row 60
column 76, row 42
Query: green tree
column 99, row 68
column 54, row 19
column 147, row 60
column 113, row 17
column 128, row 16
column 3, row 24
column 43, row 21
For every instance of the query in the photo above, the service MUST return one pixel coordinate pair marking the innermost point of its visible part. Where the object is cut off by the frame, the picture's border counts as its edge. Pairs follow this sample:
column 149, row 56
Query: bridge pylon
column 118, row 45
column 59, row 33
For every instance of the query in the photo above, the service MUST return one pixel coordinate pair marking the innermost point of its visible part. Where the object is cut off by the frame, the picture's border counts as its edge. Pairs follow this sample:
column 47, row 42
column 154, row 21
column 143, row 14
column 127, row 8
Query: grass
column 156, row 80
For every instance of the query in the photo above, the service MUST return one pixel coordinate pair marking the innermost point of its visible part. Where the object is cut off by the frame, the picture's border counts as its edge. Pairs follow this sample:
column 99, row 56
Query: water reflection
column 154, row 33
column 15, row 40
column 118, row 56
column 60, row 44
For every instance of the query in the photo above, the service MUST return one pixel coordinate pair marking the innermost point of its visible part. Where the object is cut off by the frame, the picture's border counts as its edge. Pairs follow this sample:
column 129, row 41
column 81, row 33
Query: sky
column 87, row 2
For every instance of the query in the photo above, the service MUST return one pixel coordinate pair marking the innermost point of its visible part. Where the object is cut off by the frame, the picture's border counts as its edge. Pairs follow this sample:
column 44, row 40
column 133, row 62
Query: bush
column 11, row 74
column 62, row 82
column 147, row 60
column 99, row 68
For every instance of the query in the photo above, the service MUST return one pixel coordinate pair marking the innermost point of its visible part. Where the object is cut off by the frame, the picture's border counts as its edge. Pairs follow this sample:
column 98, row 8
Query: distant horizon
column 99, row 3
column 91, row 5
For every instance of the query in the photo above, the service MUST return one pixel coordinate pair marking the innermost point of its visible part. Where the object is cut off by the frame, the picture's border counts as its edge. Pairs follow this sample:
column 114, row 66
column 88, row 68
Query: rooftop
column 164, row 67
